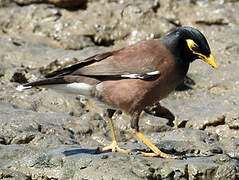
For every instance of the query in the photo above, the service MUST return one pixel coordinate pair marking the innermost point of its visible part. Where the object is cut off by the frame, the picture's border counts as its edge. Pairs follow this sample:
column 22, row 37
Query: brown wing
column 140, row 58
column 68, row 70
column 139, row 61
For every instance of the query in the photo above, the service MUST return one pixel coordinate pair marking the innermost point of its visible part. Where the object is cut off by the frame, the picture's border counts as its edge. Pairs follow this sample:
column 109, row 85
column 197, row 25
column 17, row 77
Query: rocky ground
column 46, row 135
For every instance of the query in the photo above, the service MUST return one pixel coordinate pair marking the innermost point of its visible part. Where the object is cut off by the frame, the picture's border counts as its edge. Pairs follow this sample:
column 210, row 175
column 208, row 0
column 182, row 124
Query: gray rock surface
column 60, row 3
column 47, row 135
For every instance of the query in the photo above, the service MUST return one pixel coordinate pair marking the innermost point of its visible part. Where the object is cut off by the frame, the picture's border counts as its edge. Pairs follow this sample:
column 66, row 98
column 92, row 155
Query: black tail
column 47, row 81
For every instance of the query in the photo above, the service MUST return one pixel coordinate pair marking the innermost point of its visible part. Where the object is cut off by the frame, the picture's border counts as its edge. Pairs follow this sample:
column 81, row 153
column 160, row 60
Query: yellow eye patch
column 192, row 45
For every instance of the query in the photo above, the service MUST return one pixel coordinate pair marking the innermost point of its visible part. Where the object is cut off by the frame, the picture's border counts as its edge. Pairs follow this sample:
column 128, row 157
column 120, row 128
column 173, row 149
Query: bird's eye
column 195, row 48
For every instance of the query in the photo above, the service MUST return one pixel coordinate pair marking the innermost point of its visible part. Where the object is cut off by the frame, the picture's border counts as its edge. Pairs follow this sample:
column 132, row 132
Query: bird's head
column 190, row 44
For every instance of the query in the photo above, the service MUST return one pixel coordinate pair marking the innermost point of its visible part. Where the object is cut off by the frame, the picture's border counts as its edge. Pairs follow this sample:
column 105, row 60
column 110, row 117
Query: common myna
column 133, row 77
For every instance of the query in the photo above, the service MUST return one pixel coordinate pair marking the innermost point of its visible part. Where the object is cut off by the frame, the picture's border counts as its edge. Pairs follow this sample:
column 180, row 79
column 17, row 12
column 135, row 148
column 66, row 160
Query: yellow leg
column 156, row 151
column 114, row 146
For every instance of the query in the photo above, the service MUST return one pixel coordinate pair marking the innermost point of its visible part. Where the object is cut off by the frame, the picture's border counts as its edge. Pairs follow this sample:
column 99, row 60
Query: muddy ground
column 46, row 135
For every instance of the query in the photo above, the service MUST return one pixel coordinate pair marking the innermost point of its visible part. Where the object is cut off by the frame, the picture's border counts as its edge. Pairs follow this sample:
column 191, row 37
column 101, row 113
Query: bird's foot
column 115, row 148
column 161, row 154
column 156, row 151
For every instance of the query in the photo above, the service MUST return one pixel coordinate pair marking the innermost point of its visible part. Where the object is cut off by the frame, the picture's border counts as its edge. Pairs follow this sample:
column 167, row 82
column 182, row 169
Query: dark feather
column 72, row 68
column 116, row 63
column 47, row 81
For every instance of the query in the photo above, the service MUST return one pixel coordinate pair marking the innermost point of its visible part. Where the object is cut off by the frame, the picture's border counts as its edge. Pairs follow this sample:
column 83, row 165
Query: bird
column 133, row 77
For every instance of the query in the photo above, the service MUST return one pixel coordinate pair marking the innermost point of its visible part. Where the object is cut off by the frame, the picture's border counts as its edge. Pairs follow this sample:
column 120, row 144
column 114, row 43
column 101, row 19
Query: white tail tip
column 21, row 87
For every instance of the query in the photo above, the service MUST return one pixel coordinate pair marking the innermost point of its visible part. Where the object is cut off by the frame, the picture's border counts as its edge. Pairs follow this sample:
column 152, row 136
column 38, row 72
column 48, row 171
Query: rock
column 230, row 146
column 7, row 174
column 60, row 3
column 233, row 120
column 23, row 138
column 6, row 3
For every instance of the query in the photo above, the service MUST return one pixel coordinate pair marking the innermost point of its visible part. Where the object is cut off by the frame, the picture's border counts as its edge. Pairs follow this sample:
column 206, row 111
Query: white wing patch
column 21, row 87
column 141, row 76
column 153, row 73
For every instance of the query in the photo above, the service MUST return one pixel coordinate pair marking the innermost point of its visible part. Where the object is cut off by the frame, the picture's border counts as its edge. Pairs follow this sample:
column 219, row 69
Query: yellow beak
column 210, row 60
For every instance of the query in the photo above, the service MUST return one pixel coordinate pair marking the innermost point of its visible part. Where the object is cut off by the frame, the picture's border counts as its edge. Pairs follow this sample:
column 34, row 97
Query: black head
column 188, row 44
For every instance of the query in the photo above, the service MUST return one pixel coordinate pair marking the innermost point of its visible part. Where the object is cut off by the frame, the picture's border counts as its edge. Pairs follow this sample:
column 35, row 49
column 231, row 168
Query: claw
column 160, row 155
column 115, row 148
column 156, row 151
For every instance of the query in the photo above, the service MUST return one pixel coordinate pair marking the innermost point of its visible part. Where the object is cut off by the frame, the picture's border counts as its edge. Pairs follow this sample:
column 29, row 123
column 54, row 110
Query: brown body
column 133, row 95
